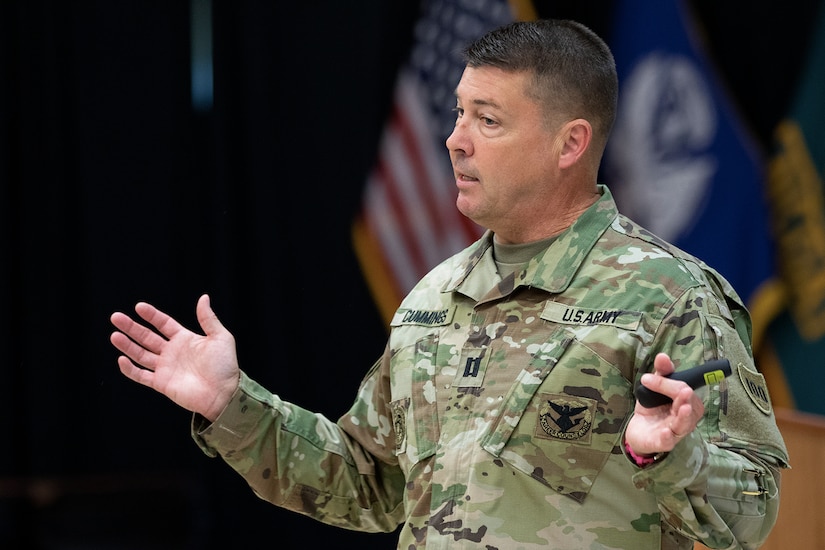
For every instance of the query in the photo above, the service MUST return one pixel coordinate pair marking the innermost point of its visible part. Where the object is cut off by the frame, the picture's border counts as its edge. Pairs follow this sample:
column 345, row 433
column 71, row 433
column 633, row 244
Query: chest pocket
column 562, row 419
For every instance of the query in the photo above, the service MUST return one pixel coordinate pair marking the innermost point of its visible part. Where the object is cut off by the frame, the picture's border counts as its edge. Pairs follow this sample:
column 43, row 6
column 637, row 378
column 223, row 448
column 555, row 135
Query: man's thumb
column 206, row 317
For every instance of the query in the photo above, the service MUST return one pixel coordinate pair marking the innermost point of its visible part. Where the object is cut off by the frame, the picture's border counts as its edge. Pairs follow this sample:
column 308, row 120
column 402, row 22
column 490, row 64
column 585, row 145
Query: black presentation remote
column 695, row 377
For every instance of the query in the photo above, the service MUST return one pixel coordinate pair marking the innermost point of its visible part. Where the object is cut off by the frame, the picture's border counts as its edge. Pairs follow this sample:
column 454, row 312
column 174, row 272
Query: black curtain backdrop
column 113, row 190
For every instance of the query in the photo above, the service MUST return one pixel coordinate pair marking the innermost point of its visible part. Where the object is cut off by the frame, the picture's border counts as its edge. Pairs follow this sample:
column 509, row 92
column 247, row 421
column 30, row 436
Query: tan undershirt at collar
column 512, row 257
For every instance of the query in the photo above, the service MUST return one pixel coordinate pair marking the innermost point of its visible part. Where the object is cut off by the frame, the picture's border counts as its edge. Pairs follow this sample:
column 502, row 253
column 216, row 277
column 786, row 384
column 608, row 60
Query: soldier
column 502, row 412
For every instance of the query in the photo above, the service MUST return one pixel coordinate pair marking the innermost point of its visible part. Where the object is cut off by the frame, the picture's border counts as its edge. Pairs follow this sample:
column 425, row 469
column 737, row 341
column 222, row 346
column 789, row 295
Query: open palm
column 198, row 372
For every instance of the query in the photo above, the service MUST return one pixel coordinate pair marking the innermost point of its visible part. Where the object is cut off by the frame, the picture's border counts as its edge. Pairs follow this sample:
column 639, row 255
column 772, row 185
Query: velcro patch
column 472, row 367
column 399, row 423
column 423, row 317
column 565, row 418
column 571, row 315
column 756, row 387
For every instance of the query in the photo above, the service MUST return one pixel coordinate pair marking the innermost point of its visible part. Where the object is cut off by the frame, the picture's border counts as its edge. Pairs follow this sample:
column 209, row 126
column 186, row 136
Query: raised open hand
column 198, row 372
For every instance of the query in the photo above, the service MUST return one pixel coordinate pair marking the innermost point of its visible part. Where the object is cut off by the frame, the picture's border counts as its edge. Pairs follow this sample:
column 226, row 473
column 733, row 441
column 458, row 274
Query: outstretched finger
column 165, row 324
column 135, row 373
column 136, row 352
column 140, row 334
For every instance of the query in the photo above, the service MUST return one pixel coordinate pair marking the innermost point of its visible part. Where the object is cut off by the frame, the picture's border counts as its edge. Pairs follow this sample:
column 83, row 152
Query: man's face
column 504, row 157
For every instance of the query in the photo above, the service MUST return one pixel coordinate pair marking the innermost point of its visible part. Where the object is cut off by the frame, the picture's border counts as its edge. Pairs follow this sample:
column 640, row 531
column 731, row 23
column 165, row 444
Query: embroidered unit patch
column 399, row 423
column 565, row 418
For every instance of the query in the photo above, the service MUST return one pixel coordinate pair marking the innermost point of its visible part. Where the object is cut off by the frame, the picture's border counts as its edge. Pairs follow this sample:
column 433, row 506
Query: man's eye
column 459, row 112
column 488, row 121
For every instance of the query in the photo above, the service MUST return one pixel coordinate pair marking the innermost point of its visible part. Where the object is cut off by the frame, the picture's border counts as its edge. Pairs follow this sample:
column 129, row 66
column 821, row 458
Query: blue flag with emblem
column 680, row 162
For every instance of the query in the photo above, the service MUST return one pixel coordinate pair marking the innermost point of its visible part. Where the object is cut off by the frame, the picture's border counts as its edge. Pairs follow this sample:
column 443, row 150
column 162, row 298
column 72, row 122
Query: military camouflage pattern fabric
column 495, row 417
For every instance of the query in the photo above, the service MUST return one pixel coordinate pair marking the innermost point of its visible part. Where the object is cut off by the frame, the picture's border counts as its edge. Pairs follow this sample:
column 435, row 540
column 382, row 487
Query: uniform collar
column 551, row 270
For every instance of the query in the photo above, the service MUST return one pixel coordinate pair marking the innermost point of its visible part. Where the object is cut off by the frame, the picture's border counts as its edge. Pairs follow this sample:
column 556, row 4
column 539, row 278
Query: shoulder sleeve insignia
column 756, row 387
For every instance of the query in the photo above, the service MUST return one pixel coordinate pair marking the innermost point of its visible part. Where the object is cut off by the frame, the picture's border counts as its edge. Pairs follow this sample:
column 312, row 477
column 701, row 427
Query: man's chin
column 467, row 208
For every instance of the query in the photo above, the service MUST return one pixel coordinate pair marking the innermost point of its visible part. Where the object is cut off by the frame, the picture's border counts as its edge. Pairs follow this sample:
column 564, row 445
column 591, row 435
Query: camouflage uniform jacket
column 495, row 417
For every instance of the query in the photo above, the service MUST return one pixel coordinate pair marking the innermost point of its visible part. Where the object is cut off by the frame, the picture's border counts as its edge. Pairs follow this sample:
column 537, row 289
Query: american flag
column 409, row 222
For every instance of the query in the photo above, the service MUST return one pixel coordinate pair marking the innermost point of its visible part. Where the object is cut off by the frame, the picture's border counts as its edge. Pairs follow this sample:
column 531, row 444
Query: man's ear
column 576, row 136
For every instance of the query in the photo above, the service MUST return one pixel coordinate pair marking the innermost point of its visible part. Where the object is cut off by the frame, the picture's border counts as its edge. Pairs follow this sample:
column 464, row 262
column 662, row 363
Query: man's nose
column 459, row 139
